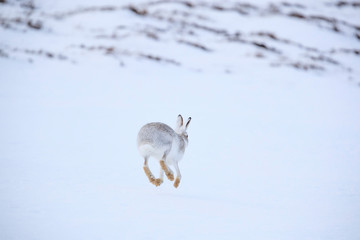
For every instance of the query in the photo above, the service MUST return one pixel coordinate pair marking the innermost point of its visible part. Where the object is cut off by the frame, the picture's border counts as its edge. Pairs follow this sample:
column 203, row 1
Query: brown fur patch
column 157, row 182
column 177, row 182
column 169, row 175
column 148, row 173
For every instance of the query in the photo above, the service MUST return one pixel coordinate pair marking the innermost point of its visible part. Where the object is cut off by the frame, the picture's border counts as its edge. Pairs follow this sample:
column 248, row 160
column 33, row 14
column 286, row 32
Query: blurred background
column 273, row 89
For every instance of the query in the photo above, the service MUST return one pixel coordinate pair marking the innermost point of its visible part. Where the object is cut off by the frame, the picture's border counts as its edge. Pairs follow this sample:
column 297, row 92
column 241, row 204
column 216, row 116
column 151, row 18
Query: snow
column 273, row 151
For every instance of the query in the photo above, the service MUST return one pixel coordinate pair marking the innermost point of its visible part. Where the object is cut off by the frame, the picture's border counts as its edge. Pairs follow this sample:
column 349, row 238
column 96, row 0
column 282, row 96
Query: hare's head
column 181, row 127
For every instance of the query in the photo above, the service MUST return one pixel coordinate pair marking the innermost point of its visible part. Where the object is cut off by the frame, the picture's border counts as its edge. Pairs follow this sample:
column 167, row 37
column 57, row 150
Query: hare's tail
column 146, row 150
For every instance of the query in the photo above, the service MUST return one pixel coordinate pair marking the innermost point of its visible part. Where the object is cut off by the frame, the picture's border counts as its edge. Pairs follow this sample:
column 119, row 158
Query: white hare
column 161, row 142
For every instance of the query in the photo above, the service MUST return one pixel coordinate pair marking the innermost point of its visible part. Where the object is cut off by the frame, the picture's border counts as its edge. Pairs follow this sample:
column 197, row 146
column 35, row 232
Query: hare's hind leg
column 161, row 176
column 168, row 172
column 178, row 175
column 150, row 176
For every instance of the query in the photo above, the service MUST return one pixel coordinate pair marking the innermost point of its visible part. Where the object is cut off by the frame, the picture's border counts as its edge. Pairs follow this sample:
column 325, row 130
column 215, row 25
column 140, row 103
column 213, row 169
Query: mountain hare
column 161, row 142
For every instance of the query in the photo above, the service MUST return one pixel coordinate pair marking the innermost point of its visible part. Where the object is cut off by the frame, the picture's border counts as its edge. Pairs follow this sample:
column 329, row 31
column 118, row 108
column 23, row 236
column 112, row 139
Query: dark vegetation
column 187, row 22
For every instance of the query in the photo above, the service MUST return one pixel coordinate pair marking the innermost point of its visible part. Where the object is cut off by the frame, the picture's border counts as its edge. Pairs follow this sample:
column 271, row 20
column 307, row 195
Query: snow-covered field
column 273, row 92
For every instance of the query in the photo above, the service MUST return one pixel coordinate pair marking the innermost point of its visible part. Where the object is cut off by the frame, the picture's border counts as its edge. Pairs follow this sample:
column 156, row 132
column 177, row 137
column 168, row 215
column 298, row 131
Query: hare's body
column 158, row 139
column 161, row 142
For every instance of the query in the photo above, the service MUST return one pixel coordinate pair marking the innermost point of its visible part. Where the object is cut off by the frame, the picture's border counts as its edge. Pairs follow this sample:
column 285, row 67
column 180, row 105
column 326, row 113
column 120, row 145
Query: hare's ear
column 188, row 122
column 180, row 121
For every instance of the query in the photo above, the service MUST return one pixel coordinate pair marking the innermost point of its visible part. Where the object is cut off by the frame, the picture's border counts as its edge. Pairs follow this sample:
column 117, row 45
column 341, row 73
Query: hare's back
column 158, row 135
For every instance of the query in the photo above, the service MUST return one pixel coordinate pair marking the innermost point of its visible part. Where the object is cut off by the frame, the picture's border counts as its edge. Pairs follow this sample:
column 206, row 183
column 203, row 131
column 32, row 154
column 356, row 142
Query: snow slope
column 273, row 145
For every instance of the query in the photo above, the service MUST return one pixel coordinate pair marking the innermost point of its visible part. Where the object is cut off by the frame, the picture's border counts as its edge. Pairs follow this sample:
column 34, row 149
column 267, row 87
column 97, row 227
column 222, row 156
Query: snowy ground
column 272, row 89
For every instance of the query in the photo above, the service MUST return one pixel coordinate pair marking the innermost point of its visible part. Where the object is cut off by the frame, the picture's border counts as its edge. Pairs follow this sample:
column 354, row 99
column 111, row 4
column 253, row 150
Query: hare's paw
column 157, row 182
column 177, row 182
column 170, row 176
column 149, row 174
column 167, row 171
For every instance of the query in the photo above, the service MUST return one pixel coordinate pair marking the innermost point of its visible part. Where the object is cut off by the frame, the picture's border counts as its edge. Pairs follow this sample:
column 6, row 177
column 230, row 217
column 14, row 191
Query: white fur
column 159, row 141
